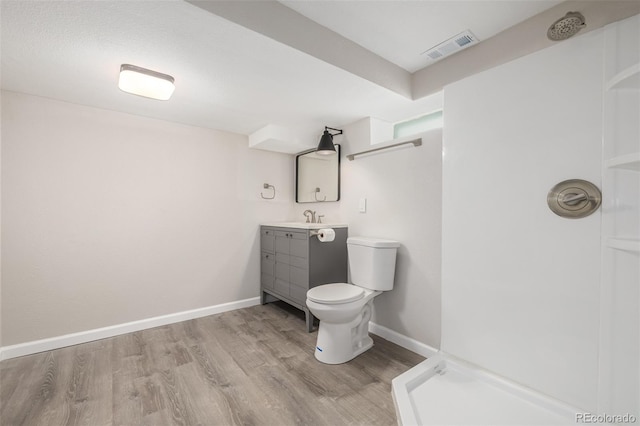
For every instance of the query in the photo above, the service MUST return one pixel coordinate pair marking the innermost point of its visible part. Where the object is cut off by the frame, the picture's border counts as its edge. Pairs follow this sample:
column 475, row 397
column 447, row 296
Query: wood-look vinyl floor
column 252, row 366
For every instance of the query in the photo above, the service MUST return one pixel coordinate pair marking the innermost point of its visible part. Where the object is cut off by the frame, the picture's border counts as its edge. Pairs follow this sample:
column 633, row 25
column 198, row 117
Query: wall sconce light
column 326, row 147
column 143, row 82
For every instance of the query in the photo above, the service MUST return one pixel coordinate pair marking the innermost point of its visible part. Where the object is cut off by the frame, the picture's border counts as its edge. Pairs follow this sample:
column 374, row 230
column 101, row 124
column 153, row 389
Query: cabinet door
column 298, row 262
column 267, row 282
column 267, row 270
column 283, row 258
column 291, row 277
column 299, row 244
column 299, row 276
column 282, row 242
column 282, row 271
column 298, row 294
column 291, row 242
column 299, row 247
column 267, row 239
column 282, row 287
column 299, row 280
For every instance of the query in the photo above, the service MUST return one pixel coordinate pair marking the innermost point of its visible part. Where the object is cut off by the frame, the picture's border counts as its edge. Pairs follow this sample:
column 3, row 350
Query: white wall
column 619, row 357
column 0, row 220
column 109, row 218
column 520, row 285
column 403, row 189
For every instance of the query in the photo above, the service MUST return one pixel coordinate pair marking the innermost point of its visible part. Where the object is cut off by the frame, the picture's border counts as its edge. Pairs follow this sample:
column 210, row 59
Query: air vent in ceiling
column 451, row 46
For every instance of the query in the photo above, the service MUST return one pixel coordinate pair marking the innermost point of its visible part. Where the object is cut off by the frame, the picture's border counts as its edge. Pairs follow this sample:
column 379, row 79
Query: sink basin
column 303, row 225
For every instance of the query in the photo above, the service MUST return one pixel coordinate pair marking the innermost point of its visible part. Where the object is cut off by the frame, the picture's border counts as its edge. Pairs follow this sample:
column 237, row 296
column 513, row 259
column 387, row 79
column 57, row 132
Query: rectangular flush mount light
column 143, row 82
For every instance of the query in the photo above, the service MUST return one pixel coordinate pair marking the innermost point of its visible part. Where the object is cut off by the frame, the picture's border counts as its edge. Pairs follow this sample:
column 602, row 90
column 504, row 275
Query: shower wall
column 619, row 385
column 520, row 285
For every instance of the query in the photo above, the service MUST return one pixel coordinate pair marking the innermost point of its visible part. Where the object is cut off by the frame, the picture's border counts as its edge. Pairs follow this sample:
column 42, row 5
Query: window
column 418, row 125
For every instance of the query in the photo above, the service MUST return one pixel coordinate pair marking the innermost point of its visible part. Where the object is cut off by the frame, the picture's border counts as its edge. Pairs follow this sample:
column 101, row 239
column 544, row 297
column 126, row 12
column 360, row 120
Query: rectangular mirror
column 317, row 177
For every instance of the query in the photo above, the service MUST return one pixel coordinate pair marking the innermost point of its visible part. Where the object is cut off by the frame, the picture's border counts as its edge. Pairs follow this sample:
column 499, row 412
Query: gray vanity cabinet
column 292, row 255
column 293, row 261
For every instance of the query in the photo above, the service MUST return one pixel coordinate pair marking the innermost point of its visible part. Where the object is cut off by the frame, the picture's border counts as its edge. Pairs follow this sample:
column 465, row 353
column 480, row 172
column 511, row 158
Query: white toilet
column 344, row 309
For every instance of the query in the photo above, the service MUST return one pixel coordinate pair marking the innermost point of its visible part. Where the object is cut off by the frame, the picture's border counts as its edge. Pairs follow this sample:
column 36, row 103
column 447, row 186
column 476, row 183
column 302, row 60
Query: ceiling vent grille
column 449, row 47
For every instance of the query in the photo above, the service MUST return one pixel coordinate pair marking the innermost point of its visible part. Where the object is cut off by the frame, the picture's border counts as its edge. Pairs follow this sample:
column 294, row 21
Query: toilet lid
column 333, row 294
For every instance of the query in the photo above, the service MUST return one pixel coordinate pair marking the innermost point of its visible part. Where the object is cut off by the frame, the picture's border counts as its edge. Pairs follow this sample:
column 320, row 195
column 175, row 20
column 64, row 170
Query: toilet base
column 339, row 343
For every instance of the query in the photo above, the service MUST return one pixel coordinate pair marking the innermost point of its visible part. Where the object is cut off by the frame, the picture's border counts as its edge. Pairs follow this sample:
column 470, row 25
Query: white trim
column 402, row 340
column 58, row 342
column 409, row 405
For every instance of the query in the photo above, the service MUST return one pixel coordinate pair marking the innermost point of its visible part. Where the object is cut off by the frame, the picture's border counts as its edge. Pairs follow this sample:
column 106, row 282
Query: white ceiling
column 400, row 31
column 227, row 76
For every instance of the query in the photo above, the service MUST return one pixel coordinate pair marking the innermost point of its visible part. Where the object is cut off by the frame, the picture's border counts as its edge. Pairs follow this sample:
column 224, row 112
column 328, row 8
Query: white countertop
column 303, row 225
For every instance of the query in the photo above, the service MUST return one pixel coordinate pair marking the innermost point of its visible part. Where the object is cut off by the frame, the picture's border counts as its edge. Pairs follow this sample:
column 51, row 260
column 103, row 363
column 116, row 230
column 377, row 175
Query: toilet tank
column 372, row 262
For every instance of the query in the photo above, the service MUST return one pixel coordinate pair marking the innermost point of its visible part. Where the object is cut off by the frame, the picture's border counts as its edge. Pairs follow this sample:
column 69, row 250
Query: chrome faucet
column 311, row 213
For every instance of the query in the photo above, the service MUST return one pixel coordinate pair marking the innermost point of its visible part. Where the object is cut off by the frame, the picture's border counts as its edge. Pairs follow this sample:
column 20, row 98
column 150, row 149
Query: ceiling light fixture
column 326, row 147
column 143, row 82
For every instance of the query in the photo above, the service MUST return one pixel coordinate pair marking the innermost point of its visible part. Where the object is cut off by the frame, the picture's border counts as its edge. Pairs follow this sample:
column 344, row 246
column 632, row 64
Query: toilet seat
column 335, row 294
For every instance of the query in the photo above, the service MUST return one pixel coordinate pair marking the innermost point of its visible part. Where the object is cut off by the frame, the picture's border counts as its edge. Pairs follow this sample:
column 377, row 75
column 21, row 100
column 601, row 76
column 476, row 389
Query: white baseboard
column 28, row 348
column 402, row 340
column 58, row 342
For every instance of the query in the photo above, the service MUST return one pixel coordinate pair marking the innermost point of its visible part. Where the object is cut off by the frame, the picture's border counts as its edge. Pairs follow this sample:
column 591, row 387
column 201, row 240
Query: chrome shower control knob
column 574, row 198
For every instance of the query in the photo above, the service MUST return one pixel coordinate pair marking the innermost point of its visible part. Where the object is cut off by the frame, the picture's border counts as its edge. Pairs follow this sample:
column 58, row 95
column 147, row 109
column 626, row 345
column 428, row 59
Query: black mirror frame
column 298, row 155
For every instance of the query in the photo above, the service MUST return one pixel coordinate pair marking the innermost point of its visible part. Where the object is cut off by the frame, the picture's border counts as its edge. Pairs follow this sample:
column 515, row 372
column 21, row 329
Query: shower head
column 565, row 27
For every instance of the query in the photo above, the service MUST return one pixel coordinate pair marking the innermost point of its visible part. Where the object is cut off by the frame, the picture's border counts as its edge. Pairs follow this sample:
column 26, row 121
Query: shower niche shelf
column 625, row 244
column 628, row 161
column 628, row 78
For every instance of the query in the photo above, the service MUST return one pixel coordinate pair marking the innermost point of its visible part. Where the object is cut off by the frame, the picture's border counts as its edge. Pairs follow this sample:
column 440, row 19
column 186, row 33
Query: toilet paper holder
column 318, row 233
